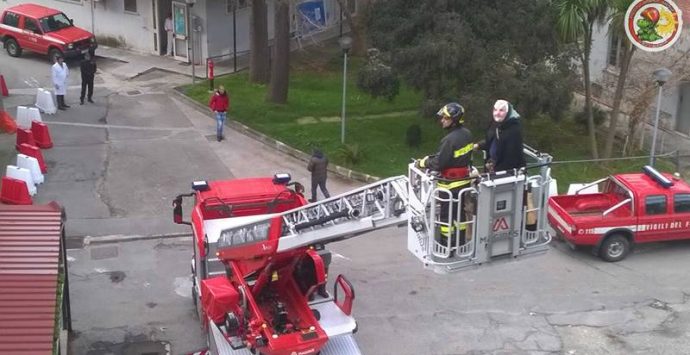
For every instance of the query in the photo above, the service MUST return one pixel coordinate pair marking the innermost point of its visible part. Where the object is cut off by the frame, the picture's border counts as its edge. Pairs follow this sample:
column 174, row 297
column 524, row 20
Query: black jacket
column 88, row 69
column 455, row 150
column 318, row 165
column 507, row 136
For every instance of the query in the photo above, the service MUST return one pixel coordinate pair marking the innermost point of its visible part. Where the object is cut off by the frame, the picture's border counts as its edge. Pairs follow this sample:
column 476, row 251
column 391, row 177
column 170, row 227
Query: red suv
column 43, row 30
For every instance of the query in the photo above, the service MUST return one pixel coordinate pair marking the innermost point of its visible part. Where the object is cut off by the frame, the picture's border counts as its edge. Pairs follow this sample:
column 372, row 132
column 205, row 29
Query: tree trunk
column 628, row 52
column 259, row 55
column 280, row 71
column 357, row 27
column 588, row 94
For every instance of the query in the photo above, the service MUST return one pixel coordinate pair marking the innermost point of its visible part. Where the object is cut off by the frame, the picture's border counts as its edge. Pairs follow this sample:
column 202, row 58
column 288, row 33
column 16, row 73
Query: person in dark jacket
column 219, row 104
column 453, row 161
column 88, row 73
column 503, row 142
column 318, row 166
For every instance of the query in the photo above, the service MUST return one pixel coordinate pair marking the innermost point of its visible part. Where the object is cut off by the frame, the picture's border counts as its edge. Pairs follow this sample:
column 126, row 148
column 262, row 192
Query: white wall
column 110, row 19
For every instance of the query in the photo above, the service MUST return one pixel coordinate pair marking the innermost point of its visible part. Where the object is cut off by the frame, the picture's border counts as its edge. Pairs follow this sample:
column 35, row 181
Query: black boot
column 60, row 102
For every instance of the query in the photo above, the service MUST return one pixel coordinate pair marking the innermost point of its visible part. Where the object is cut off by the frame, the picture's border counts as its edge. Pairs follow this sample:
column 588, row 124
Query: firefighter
column 453, row 162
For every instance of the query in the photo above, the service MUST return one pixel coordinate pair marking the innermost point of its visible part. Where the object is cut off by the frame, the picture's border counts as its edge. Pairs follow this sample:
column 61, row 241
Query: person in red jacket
column 219, row 104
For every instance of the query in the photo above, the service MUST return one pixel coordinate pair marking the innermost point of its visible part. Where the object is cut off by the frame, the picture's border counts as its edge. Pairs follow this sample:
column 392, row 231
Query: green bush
column 414, row 136
column 598, row 114
column 378, row 79
column 351, row 154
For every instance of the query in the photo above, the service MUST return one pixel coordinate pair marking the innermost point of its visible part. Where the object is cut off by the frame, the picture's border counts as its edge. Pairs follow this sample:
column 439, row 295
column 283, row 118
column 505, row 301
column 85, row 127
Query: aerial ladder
column 504, row 217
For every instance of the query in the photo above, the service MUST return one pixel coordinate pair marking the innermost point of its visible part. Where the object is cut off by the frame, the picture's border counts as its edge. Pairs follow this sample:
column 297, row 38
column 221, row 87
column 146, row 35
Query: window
column 131, row 6
column 11, row 19
column 236, row 5
column 655, row 204
column 55, row 22
column 681, row 203
column 31, row 25
column 615, row 49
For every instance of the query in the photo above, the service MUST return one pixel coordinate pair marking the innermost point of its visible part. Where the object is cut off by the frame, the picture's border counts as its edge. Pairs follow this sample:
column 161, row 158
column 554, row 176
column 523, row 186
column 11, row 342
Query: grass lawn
column 312, row 119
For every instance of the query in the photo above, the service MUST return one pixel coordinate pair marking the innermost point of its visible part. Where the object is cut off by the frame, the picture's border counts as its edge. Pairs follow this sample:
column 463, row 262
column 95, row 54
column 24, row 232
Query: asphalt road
column 117, row 164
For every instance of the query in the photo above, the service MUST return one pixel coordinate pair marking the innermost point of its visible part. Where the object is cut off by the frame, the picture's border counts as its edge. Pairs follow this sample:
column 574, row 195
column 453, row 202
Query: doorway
column 162, row 9
column 180, row 17
column 683, row 115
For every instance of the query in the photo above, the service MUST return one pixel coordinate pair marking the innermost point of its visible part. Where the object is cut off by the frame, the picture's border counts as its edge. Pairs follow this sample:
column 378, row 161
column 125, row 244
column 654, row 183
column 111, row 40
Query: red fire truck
column 629, row 209
column 259, row 256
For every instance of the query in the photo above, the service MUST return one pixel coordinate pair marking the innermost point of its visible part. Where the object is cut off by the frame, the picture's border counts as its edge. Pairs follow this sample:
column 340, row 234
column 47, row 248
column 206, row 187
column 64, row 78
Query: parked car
column 43, row 30
column 630, row 209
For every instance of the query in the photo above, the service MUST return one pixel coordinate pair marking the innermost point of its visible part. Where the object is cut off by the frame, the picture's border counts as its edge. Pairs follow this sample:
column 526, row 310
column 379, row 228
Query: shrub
column 351, row 154
column 378, row 79
column 598, row 114
column 414, row 136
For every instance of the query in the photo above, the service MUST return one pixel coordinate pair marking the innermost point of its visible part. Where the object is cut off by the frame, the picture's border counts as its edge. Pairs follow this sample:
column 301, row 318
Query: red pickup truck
column 629, row 209
column 43, row 30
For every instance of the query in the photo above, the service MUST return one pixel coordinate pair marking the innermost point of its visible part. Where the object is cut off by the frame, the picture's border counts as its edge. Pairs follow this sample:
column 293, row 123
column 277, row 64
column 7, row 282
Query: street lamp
column 345, row 44
column 661, row 76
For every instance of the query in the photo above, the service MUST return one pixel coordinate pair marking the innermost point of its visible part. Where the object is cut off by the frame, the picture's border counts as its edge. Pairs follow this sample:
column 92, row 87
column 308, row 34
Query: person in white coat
column 168, row 26
column 60, row 72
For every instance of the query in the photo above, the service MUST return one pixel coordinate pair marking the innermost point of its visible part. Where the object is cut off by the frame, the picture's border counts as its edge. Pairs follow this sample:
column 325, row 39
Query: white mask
column 501, row 108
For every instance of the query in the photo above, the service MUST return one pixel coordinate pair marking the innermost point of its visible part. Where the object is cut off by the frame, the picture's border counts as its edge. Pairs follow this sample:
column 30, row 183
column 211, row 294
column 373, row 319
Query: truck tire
column 13, row 48
column 53, row 53
column 614, row 248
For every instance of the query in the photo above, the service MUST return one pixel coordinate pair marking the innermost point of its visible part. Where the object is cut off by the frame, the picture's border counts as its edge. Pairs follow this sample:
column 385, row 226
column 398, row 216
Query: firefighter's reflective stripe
column 453, row 184
column 445, row 230
column 464, row 150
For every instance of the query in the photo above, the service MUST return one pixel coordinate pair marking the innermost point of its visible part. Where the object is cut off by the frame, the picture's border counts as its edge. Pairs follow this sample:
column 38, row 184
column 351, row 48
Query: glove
column 57, row 87
column 421, row 163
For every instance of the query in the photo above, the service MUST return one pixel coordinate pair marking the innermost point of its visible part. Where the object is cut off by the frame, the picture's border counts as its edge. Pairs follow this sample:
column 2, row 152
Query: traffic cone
column 24, row 136
column 34, row 151
column 7, row 123
column 3, row 86
column 41, row 135
column 14, row 192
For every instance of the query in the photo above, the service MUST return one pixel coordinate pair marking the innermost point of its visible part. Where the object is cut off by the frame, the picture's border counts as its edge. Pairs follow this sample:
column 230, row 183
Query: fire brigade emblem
column 653, row 25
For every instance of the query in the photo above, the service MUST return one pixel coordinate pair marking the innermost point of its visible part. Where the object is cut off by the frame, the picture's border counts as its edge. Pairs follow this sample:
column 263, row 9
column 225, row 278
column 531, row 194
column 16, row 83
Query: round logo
column 653, row 25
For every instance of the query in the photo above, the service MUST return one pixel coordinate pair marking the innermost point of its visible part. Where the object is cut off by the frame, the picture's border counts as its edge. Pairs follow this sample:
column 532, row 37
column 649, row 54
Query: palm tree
column 576, row 20
column 617, row 29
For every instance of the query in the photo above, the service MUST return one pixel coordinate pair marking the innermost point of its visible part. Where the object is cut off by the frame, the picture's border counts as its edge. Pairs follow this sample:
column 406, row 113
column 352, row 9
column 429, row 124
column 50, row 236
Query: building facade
column 217, row 27
column 674, row 117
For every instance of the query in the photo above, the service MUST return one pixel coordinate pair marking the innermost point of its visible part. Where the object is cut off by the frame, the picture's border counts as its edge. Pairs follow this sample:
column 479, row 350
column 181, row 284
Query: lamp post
column 345, row 44
column 661, row 76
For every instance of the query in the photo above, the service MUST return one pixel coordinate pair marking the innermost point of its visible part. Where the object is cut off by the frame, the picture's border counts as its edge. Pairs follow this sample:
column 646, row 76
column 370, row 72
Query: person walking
column 88, row 72
column 318, row 166
column 59, row 74
column 453, row 161
column 168, row 26
column 503, row 141
column 219, row 104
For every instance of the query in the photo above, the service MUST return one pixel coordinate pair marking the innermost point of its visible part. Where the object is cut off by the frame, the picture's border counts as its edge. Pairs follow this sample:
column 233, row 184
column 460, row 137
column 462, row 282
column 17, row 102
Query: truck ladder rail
column 370, row 207
column 374, row 206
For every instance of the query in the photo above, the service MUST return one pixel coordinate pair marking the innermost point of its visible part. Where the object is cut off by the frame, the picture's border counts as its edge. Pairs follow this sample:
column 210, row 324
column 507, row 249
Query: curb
column 278, row 145
column 117, row 238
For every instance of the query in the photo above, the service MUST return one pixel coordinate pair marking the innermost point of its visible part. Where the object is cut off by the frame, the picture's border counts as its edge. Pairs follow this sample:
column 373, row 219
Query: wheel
column 53, row 53
column 614, row 248
column 13, row 48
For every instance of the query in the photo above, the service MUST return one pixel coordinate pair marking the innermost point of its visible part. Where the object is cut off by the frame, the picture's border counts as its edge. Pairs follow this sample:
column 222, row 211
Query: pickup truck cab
column 43, row 30
column 629, row 209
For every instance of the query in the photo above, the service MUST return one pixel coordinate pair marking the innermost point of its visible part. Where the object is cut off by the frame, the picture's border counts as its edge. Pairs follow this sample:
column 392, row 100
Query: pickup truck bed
column 591, row 205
